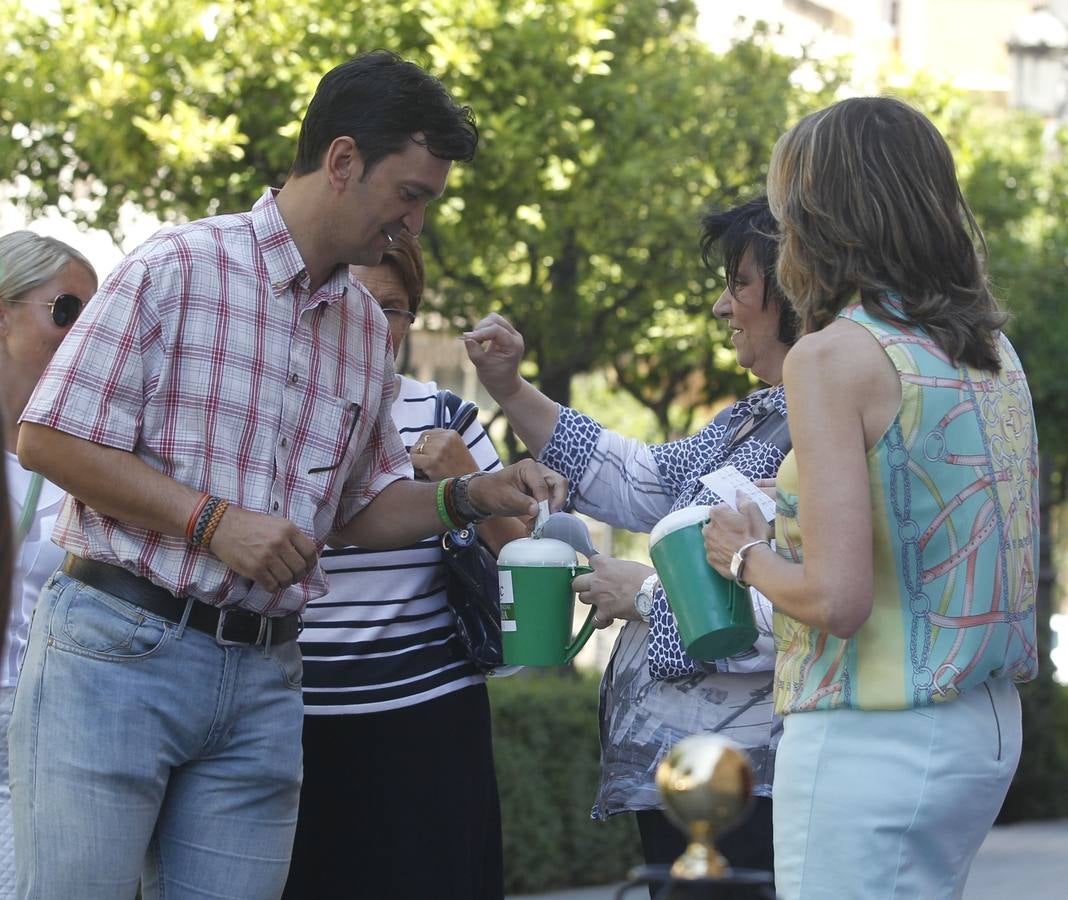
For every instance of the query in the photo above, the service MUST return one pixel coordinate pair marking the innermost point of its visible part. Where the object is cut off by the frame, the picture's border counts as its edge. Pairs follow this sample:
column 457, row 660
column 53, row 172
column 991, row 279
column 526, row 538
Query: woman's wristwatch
column 738, row 560
column 643, row 600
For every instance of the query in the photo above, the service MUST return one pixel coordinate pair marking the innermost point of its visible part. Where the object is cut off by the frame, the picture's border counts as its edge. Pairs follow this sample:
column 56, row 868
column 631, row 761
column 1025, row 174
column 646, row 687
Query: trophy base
column 734, row 884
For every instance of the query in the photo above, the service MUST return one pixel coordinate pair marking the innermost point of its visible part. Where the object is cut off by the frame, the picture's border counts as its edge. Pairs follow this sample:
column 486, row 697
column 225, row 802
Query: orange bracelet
column 197, row 510
column 213, row 523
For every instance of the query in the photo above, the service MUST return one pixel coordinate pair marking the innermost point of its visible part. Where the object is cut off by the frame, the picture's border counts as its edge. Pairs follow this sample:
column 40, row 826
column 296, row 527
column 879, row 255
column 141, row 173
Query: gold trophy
column 706, row 782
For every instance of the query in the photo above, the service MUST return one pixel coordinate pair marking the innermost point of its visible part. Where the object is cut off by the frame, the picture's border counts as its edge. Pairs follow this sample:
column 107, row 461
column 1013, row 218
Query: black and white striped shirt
column 383, row 637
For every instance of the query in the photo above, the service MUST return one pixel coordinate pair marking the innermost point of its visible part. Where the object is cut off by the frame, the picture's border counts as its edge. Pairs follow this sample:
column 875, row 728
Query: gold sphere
column 706, row 782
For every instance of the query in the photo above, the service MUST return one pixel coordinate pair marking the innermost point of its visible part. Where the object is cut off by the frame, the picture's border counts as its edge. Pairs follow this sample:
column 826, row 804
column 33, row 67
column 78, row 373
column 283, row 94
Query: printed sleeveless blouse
column 954, row 496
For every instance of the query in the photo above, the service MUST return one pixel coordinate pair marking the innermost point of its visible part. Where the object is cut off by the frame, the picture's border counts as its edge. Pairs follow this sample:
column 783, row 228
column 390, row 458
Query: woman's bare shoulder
column 842, row 347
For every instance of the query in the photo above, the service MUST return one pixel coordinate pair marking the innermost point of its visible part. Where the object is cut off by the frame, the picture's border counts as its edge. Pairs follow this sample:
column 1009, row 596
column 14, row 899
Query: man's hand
column 271, row 551
column 516, row 489
column 496, row 349
column 611, row 587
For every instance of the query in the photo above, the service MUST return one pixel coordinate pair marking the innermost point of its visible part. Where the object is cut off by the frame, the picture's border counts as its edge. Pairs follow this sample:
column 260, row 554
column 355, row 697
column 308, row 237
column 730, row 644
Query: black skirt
column 400, row 804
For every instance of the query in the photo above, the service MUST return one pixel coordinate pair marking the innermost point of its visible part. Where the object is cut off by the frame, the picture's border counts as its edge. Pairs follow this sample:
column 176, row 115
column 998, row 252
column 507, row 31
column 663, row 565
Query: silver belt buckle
column 224, row 614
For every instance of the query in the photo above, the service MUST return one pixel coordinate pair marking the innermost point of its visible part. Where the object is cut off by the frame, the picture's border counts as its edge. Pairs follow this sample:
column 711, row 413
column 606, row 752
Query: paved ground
column 1017, row 862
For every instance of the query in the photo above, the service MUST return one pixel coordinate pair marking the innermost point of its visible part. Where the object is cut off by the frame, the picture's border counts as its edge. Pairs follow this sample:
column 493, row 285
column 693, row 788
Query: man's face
column 391, row 198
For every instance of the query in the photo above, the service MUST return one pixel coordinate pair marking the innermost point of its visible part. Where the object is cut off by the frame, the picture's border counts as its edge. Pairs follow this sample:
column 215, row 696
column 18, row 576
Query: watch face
column 643, row 602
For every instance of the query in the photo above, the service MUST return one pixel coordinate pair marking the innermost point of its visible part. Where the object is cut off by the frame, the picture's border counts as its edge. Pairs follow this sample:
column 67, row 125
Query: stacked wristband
column 455, row 508
column 445, row 487
column 205, row 520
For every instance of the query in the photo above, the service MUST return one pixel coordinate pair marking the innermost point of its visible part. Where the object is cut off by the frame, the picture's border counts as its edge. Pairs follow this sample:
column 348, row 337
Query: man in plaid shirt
column 219, row 411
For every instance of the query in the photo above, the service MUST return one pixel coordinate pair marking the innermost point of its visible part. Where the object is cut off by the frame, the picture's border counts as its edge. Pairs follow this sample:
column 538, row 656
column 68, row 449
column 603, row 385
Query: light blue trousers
column 874, row 805
column 142, row 748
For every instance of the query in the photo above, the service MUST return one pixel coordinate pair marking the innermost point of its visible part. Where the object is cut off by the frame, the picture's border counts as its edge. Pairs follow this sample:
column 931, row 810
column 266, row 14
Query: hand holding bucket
column 538, row 604
column 714, row 614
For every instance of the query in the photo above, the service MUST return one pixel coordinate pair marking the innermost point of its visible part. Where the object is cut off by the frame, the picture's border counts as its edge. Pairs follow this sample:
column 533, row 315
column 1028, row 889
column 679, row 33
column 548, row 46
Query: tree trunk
column 556, row 386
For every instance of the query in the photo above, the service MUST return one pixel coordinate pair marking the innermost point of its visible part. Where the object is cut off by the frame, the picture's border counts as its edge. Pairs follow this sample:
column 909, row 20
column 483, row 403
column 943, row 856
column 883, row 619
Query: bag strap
column 460, row 412
column 29, row 508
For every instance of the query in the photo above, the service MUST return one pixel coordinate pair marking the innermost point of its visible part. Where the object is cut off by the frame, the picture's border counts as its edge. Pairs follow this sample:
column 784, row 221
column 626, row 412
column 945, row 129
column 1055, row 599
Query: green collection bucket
column 714, row 614
column 538, row 604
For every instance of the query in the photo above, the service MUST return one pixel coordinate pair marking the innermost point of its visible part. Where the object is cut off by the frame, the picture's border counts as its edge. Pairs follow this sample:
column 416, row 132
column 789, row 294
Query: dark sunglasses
column 65, row 308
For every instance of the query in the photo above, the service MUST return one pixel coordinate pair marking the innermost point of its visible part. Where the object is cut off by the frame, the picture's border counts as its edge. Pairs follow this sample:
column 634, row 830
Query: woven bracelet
column 195, row 516
column 213, row 523
column 443, row 512
column 197, row 540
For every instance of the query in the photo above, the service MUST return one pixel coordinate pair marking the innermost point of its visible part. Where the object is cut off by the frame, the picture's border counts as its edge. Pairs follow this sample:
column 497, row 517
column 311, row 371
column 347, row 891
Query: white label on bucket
column 728, row 481
column 504, row 579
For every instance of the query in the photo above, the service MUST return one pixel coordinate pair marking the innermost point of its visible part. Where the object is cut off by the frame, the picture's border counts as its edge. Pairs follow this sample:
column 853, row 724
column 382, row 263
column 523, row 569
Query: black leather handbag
column 471, row 586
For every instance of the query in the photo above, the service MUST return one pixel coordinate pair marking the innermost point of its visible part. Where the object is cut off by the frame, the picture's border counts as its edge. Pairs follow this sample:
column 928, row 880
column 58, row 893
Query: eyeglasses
column 65, row 308
column 408, row 314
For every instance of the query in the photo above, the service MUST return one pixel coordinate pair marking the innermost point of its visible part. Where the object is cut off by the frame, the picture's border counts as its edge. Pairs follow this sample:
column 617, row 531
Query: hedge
column 547, row 755
column 1040, row 788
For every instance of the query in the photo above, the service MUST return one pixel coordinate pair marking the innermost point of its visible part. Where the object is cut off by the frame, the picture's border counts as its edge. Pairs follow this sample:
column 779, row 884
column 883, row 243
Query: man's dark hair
column 381, row 101
column 727, row 235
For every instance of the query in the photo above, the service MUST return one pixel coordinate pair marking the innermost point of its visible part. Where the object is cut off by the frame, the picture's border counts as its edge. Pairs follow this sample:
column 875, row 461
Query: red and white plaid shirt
column 206, row 355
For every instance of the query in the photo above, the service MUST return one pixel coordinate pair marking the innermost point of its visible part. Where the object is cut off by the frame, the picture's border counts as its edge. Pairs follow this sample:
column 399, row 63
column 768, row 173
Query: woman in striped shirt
column 397, row 745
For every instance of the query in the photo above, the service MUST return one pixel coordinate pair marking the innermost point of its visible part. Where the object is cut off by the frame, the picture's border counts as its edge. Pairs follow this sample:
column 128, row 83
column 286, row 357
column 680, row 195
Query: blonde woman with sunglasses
column 43, row 286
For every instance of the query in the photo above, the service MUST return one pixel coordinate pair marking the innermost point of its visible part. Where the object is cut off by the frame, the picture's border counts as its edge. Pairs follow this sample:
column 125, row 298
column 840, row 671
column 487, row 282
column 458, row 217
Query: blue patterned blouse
column 653, row 694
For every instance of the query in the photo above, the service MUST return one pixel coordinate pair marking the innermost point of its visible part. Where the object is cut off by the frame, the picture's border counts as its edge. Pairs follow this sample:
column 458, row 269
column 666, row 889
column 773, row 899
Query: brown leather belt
column 228, row 625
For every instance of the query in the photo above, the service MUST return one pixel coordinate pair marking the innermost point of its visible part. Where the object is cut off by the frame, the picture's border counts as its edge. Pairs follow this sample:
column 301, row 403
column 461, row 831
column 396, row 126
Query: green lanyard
column 29, row 509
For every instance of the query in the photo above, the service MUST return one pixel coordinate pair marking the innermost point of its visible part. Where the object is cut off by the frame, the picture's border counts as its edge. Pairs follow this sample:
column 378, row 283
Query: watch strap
column 738, row 561
column 646, row 590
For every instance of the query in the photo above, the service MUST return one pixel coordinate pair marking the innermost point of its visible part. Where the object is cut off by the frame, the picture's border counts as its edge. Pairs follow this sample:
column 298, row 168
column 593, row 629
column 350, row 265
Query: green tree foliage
column 606, row 127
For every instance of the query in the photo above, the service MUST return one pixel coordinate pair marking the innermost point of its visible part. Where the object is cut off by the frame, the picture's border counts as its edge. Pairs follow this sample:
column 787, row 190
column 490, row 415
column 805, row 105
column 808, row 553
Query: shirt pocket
column 334, row 439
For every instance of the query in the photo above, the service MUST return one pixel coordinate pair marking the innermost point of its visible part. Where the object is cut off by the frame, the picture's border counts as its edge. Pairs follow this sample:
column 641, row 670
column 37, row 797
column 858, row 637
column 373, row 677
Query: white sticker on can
column 508, row 623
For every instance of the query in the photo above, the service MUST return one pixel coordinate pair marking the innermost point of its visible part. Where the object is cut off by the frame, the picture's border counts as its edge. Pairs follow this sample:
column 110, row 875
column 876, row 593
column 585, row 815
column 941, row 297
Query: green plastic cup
column 714, row 614
column 537, row 603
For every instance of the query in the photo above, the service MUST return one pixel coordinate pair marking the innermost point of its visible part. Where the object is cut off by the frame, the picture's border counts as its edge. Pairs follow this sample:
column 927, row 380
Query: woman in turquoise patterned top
column 907, row 524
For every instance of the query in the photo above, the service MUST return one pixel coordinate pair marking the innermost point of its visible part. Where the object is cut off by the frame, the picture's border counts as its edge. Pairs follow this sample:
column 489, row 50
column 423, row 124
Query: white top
column 383, row 637
column 35, row 561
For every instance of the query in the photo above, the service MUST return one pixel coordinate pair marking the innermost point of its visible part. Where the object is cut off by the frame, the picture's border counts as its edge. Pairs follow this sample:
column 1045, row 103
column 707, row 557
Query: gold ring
column 420, row 445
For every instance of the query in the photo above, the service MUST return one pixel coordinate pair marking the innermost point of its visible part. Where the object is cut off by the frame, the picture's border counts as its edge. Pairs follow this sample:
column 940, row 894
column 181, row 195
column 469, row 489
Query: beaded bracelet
column 197, row 510
column 443, row 512
column 213, row 523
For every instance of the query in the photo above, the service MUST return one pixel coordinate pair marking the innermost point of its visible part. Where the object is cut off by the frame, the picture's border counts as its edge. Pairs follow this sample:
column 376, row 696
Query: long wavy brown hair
column 868, row 204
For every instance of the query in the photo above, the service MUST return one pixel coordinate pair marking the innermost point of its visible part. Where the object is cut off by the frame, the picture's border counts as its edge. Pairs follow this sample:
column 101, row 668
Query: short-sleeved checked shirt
column 206, row 355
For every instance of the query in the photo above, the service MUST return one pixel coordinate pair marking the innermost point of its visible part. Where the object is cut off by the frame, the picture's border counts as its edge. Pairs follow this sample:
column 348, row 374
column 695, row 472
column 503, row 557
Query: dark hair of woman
column 726, row 235
column 869, row 207
column 406, row 257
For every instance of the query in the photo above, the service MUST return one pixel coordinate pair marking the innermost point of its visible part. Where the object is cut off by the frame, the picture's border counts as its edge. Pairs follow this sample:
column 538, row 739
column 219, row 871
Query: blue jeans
column 142, row 749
